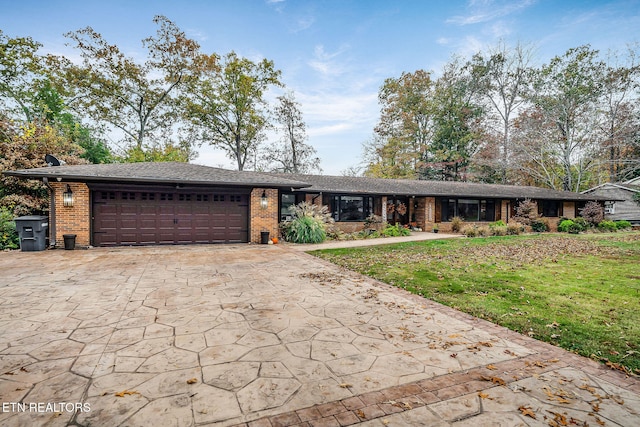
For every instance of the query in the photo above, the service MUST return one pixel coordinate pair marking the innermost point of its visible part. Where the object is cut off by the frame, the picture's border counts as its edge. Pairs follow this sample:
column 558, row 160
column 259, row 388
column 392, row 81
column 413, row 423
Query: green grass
column 581, row 293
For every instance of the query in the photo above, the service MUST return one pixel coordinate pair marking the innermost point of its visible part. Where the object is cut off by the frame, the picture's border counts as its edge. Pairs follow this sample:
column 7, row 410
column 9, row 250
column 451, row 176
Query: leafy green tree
column 565, row 96
column 50, row 106
column 405, row 127
column 456, row 130
column 20, row 70
column 226, row 105
column 135, row 98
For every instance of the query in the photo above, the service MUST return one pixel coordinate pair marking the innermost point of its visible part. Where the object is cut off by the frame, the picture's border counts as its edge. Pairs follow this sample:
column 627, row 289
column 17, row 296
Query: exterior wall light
column 67, row 197
column 264, row 201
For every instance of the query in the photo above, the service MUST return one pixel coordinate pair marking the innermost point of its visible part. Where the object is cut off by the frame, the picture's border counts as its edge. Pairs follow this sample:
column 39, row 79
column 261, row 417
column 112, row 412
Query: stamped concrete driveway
column 265, row 336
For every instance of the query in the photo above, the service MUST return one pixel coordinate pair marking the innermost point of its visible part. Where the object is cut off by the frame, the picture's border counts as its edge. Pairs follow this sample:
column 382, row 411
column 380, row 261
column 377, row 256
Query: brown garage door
column 155, row 217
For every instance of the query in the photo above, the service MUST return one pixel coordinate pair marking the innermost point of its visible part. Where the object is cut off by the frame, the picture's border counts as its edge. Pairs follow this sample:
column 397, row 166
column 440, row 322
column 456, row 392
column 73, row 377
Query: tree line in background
column 569, row 124
column 160, row 109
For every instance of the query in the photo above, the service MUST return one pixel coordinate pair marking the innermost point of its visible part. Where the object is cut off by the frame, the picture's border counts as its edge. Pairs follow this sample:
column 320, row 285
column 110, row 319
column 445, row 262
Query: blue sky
column 335, row 54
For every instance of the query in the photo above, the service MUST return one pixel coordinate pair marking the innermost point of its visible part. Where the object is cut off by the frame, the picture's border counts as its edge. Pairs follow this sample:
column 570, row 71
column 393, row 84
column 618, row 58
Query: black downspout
column 52, row 213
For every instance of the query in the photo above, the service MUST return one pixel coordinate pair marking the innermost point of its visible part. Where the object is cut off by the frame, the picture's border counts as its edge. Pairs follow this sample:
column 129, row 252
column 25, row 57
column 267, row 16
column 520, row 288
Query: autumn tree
column 456, row 130
column 292, row 154
column 565, row 99
column 25, row 147
column 137, row 99
column 502, row 75
column 226, row 103
column 404, row 130
column 620, row 107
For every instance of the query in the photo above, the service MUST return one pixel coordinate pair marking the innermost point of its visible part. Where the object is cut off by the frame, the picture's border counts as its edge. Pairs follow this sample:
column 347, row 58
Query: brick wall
column 261, row 219
column 74, row 219
column 569, row 209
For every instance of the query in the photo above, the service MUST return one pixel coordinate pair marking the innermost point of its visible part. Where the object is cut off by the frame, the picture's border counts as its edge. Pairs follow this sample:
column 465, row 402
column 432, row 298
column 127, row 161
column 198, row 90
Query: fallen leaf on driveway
column 346, row 385
column 126, row 392
column 192, row 381
column 361, row 414
column 493, row 368
column 495, row 380
column 527, row 411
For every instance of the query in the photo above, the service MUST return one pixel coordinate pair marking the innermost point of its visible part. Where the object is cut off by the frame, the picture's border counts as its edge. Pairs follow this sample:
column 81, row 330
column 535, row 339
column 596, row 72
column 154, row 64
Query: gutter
column 52, row 213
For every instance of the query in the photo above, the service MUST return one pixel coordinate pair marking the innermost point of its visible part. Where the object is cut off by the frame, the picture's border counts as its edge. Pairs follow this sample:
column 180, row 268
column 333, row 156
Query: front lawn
column 581, row 293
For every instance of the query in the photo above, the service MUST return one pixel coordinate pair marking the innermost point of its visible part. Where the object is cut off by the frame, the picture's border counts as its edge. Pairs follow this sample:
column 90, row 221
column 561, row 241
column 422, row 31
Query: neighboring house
column 625, row 208
column 182, row 203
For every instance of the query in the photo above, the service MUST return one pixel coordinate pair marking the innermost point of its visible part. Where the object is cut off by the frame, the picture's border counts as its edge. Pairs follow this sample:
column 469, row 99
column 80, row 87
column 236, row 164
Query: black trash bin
column 32, row 232
column 264, row 237
column 69, row 242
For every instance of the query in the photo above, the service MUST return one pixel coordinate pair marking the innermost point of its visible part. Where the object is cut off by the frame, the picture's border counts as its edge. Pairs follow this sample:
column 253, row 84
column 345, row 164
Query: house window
column 609, row 208
column 351, row 208
column 469, row 209
column 550, row 208
column 286, row 201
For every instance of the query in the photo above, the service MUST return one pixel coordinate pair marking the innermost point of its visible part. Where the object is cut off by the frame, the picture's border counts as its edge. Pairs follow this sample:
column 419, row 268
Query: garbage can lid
column 31, row 218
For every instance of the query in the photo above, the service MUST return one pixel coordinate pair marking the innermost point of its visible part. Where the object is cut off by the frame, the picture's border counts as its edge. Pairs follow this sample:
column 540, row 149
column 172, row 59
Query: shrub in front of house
column 514, row 228
column 456, row 224
column 470, row 231
column 498, row 228
column 623, row 225
column 593, row 213
column 540, row 225
column 571, row 226
column 564, row 225
column 394, row 231
column 527, row 212
column 8, row 234
column 607, row 226
column 309, row 224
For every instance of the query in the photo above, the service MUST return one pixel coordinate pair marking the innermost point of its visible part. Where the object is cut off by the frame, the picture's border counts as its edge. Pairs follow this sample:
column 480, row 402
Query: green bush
column 498, row 223
column 309, row 224
column 394, row 231
column 305, row 229
column 623, row 225
column 539, row 225
column 582, row 223
column 564, row 225
column 607, row 226
column 8, row 234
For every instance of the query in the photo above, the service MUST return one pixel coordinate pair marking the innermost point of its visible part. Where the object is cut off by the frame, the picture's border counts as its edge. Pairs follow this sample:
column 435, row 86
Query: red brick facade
column 260, row 218
column 74, row 219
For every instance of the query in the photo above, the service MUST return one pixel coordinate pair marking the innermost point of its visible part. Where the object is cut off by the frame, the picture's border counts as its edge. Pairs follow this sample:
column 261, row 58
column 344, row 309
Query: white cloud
column 325, row 62
column 484, row 11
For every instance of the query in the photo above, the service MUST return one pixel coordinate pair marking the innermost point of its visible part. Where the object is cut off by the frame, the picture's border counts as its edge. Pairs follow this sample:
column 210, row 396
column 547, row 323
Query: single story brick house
column 182, row 203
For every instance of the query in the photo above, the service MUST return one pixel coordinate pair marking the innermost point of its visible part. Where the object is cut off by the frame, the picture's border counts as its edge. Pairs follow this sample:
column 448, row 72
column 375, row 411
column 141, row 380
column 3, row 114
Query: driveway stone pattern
column 265, row 335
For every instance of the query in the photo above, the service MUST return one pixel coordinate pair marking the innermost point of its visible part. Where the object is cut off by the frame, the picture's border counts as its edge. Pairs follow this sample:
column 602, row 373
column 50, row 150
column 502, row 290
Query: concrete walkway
column 257, row 335
column 332, row 244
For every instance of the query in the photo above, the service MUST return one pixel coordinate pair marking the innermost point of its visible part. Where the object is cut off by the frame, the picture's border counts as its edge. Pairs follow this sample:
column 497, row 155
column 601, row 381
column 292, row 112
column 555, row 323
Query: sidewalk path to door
column 265, row 335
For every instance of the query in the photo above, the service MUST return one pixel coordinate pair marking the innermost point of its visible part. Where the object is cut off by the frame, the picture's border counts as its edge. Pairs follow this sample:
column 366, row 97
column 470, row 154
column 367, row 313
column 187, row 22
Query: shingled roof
column 158, row 173
column 404, row 187
column 191, row 174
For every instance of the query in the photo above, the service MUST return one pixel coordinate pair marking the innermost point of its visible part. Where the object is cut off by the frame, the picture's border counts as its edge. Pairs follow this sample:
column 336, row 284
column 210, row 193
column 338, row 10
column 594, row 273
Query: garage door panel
column 145, row 217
